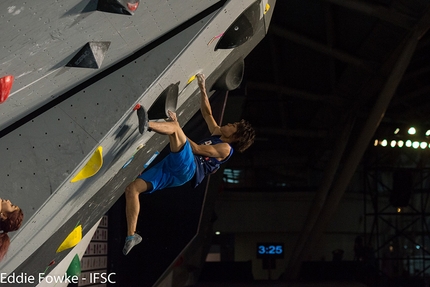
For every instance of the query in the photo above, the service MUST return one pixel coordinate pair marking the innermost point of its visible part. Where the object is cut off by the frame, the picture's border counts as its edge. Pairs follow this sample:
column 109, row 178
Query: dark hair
column 244, row 135
column 11, row 223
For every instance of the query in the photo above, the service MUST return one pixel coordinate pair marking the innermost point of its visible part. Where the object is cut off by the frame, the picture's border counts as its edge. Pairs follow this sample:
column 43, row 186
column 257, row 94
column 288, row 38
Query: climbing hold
column 5, row 87
column 167, row 100
column 92, row 166
column 151, row 159
column 132, row 6
column 242, row 29
column 267, row 8
column 136, row 107
column 90, row 56
column 191, row 79
column 125, row 7
column 74, row 267
column 72, row 239
column 49, row 265
column 231, row 78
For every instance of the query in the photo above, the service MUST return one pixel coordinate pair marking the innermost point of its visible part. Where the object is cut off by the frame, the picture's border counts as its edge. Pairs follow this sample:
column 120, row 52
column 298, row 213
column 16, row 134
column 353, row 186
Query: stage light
column 413, row 139
column 217, row 233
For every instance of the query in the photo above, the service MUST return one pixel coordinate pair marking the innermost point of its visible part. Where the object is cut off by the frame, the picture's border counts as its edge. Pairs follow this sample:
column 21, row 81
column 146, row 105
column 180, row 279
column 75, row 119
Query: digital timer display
column 270, row 250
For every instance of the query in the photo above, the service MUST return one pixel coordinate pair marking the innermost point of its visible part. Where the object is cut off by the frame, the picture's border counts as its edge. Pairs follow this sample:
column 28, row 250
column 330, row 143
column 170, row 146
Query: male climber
column 186, row 160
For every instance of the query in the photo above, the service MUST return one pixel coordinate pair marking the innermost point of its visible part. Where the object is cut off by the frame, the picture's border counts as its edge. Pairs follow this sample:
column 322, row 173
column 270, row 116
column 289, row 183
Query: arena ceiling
column 329, row 78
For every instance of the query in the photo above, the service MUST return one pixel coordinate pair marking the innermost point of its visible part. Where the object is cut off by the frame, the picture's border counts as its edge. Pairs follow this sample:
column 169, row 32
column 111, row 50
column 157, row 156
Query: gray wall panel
column 39, row 37
column 98, row 107
column 39, row 156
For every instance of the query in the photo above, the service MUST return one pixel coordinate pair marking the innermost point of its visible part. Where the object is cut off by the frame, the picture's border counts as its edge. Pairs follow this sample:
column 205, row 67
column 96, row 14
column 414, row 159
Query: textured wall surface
column 42, row 154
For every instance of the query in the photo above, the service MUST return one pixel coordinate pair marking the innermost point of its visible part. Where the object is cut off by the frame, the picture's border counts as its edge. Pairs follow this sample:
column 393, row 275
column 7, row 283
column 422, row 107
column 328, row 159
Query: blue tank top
column 207, row 165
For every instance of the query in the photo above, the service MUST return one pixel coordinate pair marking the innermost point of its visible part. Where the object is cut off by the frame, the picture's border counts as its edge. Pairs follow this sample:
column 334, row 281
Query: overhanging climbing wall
column 45, row 154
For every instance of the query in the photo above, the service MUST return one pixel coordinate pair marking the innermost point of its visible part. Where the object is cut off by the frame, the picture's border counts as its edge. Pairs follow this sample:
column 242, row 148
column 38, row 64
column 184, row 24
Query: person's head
column 242, row 134
column 11, row 217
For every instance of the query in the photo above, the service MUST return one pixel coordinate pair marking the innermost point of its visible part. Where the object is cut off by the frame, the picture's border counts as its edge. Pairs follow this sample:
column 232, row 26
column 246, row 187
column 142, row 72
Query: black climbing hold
column 167, row 100
column 90, row 56
column 125, row 7
column 231, row 78
column 242, row 29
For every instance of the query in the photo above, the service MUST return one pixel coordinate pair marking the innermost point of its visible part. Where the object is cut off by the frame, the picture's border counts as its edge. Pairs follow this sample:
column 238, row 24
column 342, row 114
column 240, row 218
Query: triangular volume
column 125, row 7
column 90, row 56
column 72, row 239
column 5, row 87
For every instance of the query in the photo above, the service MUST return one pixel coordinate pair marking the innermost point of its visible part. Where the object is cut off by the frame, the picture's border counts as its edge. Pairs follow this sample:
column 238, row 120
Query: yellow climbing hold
column 72, row 239
column 266, row 8
column 92, row 166
column 191, row 79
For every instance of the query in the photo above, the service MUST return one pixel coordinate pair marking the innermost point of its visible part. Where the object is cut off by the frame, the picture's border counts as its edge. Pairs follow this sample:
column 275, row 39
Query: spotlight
column 397, row 131
column 408, row 143
column 384, row 143
column 415, row 144
column 400, row 143
column 428, row 133
column 393, row 143
column 423, row 145
column 375, row 143
column 412, row 131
